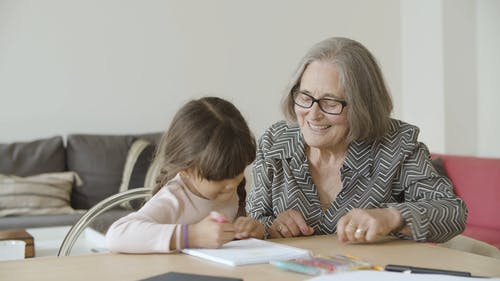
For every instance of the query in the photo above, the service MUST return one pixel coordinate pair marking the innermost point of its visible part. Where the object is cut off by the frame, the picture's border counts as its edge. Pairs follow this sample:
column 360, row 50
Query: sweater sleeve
column 430, row 208
column 148, row 230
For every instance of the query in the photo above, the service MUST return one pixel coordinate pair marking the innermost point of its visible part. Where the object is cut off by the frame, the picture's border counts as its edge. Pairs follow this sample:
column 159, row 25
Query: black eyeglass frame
column 315, row 100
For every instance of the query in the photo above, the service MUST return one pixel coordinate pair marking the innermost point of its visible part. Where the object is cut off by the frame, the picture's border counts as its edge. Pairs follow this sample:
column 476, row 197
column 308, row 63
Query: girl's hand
column 209, row 233
column 367, row 225
column 290, row 223
column 247, row 227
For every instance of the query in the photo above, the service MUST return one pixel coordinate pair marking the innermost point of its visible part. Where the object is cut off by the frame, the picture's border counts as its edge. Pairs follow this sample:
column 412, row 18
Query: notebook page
column 249, row 251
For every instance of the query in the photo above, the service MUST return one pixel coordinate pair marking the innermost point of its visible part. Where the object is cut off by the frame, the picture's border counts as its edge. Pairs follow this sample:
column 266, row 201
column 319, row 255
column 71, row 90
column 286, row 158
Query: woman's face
column 322, row 130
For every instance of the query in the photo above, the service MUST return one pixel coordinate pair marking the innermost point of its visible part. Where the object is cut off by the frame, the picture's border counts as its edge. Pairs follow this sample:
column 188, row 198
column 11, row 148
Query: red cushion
column 488, row 235
column 477, row 181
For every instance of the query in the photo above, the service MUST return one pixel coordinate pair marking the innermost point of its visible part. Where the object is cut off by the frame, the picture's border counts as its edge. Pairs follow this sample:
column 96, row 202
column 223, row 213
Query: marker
column 414, row 269
column 218, row 217
column 300, row 268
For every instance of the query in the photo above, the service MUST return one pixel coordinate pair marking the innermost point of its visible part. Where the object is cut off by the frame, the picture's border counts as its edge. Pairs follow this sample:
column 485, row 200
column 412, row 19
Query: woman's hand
column 246, row 227
column 209, row 233
column 367, row 225
column 290, row 223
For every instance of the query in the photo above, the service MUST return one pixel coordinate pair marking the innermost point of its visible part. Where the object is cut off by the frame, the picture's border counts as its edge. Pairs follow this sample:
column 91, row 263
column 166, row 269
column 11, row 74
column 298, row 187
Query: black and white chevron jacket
column 395, row 171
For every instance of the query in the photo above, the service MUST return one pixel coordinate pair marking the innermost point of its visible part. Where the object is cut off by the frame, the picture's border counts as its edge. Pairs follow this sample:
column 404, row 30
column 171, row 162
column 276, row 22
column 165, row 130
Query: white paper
column 373, row 275
column 249, row 251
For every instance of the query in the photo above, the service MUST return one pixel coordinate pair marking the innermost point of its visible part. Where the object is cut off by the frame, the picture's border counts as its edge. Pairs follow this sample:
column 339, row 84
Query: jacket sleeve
column 430, row 207
column 259, row 202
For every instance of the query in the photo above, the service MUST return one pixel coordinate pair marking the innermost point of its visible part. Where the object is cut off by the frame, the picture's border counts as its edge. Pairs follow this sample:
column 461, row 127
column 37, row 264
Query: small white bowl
column 12, row 249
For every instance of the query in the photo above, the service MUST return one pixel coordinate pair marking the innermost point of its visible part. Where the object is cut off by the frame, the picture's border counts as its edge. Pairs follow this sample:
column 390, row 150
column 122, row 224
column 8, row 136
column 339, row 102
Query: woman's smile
column 317, row 128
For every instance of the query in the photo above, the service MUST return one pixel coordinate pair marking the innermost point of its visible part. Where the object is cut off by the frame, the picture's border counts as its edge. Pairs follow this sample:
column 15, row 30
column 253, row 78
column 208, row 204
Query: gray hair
column 368, row 99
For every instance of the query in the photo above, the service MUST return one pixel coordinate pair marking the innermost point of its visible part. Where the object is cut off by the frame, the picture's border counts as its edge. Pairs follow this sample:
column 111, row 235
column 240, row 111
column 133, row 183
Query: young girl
column 203, row 155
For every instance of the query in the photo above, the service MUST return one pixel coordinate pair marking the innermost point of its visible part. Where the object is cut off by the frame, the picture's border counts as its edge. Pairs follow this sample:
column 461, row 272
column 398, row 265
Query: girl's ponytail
column 242, row 194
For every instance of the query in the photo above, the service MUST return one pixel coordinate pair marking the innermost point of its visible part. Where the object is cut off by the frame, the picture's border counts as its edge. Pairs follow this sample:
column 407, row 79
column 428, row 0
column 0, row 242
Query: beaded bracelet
column 185, row 234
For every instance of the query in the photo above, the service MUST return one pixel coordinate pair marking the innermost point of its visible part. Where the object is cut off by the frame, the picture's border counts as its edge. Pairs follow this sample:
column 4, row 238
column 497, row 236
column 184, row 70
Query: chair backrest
column 101, row 207
column 477, row 181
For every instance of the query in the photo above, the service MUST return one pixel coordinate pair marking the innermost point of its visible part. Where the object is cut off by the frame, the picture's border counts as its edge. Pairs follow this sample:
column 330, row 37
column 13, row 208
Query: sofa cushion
column 39, row 194
column 139, row 159
column 486, row 234
column 152, row 162
column 137, row 171
column 99, row 161
column 31, row 158
column 477, row 181
column 40, row 220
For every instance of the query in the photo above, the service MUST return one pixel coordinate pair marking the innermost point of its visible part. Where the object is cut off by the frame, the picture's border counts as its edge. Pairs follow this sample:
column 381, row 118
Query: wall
column 125, row 66
column 488, row 77
column 450, row 65
column 422, row 67
column 460, row 66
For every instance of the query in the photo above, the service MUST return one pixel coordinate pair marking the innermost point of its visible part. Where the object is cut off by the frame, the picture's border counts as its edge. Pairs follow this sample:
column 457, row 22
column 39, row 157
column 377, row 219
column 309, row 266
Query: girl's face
column 214, row 190
column 322, row 130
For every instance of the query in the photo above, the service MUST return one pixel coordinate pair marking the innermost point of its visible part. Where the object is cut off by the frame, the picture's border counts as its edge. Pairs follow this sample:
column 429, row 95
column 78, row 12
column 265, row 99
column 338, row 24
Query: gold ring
column 359, row 231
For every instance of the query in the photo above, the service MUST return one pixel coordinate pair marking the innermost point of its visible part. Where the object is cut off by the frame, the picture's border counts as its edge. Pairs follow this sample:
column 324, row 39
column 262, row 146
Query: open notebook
column 249, row 251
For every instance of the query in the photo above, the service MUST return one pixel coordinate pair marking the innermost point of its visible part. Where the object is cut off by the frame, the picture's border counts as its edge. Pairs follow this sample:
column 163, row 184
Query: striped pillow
column 140, row 170
column 48, row 193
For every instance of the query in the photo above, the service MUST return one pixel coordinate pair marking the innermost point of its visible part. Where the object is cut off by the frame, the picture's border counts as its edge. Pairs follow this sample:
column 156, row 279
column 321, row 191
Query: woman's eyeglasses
column 327, row 105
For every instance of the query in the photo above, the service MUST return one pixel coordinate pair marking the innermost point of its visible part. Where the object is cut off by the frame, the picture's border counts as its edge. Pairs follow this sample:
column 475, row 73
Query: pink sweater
column 150, row 229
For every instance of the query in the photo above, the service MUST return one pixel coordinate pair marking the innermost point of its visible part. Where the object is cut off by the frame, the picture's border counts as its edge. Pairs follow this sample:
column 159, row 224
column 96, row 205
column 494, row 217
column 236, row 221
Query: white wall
column 125, row 66
column 488, row 77
column 422, row 68
column 439, row 66
column 460, row 80
column 115, row 66
column 450, row 65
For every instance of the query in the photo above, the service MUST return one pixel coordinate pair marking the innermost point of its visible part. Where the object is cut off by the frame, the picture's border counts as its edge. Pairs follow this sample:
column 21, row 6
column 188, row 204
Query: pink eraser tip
column 217, row 217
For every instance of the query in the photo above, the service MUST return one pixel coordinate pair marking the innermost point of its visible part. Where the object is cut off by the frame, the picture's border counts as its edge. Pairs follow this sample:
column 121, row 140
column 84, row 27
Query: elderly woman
column 341, row 164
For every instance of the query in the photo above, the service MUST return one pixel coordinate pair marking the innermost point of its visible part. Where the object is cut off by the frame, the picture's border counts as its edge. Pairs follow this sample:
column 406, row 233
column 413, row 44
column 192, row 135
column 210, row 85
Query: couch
column 477, row 181
column 89, row 168
column 52, row 181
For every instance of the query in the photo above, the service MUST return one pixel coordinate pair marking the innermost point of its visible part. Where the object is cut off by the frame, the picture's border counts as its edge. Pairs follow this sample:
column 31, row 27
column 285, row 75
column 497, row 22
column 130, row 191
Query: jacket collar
column 291, row 145
column 359, row 157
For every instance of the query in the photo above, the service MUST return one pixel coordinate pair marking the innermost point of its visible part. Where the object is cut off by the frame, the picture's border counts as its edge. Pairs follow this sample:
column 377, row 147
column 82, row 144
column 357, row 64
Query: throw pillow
column 139, row 169
column 99, row 161
column 48, row 193
column 33, row 157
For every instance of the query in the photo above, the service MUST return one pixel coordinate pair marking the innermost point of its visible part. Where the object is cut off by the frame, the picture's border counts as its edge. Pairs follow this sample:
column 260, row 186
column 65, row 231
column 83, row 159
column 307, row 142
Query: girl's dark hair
column 210, row 136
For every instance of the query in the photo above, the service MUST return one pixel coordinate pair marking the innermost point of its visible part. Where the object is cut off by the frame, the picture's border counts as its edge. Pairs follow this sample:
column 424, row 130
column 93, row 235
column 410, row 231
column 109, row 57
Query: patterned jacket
column 395, row 171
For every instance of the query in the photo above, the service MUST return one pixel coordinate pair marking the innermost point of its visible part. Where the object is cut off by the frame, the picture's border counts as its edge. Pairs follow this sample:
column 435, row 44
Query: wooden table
column 134, row 267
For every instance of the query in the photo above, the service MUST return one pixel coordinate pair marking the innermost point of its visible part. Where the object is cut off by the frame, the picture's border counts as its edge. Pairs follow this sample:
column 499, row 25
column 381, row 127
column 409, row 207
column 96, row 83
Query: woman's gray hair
column 368, row 100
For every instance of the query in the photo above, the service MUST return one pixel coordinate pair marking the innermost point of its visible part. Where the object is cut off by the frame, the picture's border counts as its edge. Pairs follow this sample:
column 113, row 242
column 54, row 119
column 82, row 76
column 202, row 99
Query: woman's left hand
column 367, row 225
column 246, row 227
column 290, row 223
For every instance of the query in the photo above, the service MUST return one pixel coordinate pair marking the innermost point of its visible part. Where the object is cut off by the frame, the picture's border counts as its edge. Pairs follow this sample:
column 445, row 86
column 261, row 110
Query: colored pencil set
column 319, row 265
